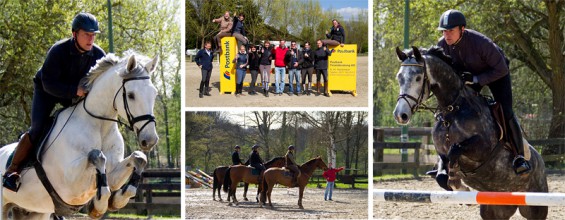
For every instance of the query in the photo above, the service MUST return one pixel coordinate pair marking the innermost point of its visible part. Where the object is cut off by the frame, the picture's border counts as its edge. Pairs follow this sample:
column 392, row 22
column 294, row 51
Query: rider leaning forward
column 481, row 62
column 57, row 81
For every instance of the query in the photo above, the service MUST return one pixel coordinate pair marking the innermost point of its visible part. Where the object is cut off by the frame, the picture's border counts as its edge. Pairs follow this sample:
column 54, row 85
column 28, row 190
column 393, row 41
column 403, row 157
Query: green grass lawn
column 387, row 177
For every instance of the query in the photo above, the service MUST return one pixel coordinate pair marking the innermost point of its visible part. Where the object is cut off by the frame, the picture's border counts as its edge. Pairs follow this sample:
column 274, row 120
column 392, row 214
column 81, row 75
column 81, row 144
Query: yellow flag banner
column 227, row 67
column 342, row 68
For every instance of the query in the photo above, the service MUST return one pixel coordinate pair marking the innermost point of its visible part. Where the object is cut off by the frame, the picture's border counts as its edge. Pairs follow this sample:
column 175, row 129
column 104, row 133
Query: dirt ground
column 338, row 99
column 393, row 210
column 346, row 204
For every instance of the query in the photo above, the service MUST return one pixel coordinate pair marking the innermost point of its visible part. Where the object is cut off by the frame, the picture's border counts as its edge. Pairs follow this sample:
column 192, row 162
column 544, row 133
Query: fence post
column 404, row 151
column 379, row 136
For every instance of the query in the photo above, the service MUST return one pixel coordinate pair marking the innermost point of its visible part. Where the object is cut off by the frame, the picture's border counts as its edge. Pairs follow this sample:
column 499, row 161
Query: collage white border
column 368, row 109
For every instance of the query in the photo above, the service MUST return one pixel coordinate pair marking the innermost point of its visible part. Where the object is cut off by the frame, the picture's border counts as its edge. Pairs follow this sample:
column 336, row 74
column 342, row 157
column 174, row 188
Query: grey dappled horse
column 465, row 134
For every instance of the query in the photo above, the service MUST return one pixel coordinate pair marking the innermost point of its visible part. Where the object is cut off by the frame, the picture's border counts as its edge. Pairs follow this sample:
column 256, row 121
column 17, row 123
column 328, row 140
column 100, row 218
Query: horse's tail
column 216, row 184
column 227, row 180
column 264, row 189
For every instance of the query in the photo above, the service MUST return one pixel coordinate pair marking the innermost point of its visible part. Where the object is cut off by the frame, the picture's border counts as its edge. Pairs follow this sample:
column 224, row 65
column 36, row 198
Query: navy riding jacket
column 235, row 158
column 321, row 58
column 64, row 67
column 479, row 55
column 202, row 58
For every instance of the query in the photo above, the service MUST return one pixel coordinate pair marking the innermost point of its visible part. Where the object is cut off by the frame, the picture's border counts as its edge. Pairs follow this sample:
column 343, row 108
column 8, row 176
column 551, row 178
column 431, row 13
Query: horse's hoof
column 220, row 200
column 301, row 207
column 245, row 199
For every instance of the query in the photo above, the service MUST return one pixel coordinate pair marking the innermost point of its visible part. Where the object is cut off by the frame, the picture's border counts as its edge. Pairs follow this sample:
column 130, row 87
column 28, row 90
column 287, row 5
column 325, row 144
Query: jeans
column 279, row 79
column 329, row 189
column 265, row 75
column 293, row 74
column 240, row 74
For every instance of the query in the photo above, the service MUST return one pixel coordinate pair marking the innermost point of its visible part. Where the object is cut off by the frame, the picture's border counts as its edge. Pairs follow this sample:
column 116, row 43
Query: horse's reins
column 131, row 119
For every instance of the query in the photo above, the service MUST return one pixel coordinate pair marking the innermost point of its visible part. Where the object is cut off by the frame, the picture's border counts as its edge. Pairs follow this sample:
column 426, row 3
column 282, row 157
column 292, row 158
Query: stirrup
column 520, row 165
column 11, row 181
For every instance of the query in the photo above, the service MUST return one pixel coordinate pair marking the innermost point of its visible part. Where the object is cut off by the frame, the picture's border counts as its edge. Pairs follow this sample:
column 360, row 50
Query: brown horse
column 238, row 173
column 273, row 176
column 218, row 177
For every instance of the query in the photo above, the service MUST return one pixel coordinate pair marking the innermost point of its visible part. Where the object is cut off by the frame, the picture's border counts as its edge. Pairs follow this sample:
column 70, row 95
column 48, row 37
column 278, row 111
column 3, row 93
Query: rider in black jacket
column 235, row 156
column 255, row 160
column 67, row 62
column 482, row 63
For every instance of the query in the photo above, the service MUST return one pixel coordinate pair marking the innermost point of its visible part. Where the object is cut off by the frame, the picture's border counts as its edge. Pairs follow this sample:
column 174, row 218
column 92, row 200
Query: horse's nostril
column 144, row 143
column 404, row 116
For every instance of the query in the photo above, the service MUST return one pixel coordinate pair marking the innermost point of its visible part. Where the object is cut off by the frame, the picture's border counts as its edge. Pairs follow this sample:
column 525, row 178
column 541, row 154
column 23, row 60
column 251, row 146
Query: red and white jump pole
column 470, row 197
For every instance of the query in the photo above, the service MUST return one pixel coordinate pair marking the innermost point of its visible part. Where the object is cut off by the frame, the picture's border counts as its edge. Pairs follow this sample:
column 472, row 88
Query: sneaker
column 290, row 94
column 330, row 199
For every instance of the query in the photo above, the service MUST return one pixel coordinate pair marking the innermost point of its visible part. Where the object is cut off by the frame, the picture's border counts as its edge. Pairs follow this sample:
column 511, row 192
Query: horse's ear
column 417, row 54
column 151, row 66
column 132, row 63
column 401, row 55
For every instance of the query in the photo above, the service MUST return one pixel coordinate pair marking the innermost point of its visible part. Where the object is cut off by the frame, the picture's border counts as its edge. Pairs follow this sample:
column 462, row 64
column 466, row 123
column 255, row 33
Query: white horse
column 84, row 155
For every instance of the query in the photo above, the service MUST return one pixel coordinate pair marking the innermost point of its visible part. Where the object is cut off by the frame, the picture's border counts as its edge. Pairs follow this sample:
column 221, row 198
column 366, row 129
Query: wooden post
column 379, row 136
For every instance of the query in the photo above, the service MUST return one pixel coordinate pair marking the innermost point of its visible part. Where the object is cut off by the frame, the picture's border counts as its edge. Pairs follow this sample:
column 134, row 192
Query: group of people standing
column 299, row 64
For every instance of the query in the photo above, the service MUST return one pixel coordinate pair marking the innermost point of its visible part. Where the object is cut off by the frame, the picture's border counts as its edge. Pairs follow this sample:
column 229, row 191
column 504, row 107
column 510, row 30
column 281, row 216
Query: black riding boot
column 201, row 90
column 520, row 164
column 207, row 88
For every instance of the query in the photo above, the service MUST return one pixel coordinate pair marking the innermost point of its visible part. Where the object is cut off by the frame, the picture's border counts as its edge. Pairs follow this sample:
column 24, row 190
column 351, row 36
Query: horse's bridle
column 418, row 101
column 131, row 119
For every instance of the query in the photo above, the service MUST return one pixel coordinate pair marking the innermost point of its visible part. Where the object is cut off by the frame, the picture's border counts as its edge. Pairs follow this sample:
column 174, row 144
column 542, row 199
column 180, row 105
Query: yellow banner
column 342, row 68
column 227, row 67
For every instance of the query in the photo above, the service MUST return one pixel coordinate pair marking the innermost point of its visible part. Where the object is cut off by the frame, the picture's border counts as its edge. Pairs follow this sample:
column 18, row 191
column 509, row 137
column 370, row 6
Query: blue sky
column 346, row 8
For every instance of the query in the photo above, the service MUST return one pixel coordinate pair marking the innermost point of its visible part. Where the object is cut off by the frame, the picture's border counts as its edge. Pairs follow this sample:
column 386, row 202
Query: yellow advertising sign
column 227, row 67
column 342, row 68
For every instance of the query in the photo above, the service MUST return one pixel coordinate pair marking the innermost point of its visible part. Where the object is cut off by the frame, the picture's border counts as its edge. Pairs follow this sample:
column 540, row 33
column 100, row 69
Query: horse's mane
column 438, row 53
column 109, row 61
column 273, row 160
column 309, row 162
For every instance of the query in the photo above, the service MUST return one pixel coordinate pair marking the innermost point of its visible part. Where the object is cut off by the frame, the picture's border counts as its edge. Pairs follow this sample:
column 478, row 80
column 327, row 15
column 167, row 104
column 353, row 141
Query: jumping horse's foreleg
column 133, row 166
column 453, row 155
column 99, row 203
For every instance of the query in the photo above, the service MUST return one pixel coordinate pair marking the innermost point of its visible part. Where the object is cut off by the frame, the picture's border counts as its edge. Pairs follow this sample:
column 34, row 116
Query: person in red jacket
column 330, row 178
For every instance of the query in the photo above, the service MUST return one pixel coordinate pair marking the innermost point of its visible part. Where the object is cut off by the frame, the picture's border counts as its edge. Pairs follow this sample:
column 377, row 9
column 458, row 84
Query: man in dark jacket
column 321, row 64
column 238, row 30
column 482, row 63
column 204, row 59
column 293, row 56
column 265, row 66
column 307, row 64
column 255, row 160
column 67, row 62
column 253, row 68
column 235, row 156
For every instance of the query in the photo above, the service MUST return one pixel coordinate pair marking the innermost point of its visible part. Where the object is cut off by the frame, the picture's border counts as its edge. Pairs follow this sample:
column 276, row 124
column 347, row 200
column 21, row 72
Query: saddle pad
column 255, row 172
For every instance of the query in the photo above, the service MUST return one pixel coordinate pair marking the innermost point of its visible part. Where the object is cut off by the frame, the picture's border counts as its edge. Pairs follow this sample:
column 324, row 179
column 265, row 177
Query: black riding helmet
column 450, row 19
column 237, row 147
column 255, row 147
column 86, row 22
column 291, row 147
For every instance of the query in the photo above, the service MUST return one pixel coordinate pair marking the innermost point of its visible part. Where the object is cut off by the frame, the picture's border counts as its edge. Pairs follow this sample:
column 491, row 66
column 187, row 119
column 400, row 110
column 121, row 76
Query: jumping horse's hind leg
column 132, row 165
column 99, row 203
column 497, row 211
